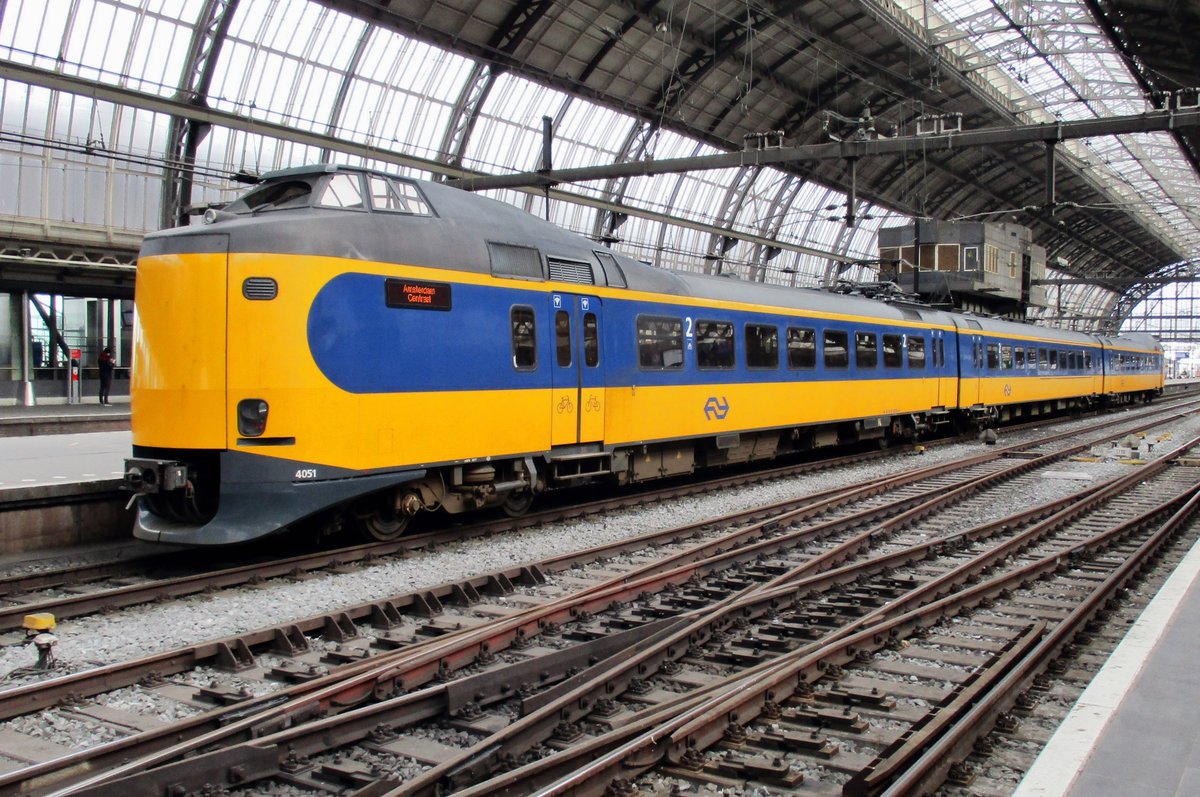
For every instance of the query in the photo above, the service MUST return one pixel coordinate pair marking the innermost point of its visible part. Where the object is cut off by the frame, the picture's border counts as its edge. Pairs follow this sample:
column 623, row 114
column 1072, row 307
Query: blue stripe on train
column 363, row 346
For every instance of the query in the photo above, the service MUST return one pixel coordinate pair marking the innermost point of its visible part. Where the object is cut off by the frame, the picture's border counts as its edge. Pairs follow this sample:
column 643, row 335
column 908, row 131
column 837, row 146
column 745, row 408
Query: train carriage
column 1012, row 370
column 354, row 346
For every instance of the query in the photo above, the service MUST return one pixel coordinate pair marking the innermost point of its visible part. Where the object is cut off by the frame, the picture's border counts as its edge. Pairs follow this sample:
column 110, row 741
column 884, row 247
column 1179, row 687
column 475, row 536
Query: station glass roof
column 313, row 68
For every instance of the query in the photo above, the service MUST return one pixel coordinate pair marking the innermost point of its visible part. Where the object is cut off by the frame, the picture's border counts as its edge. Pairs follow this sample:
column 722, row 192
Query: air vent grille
column 571, row 271
column 260, row 289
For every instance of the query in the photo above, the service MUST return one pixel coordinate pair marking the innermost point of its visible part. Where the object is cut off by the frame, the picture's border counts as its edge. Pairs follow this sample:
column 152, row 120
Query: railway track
column 76, row 590
column 519, row 648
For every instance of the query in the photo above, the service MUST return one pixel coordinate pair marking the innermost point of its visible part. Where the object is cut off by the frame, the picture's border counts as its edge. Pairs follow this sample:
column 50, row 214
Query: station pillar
column 24, row 354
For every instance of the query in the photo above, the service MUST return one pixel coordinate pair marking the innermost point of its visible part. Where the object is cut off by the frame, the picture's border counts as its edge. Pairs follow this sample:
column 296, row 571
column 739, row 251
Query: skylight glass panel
column 403, row 95
column 508, row 134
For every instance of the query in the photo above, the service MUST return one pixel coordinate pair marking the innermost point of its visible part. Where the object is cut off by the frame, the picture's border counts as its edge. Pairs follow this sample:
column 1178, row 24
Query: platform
column 20, row 421
column 1134, row 730
column 61, row 468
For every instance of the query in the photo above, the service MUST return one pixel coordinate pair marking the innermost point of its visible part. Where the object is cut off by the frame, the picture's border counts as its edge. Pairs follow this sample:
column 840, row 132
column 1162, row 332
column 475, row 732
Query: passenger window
column 1044, row 359
column 660, row 342
column 836, row 345
column 562, row 338
column 524, row 339
column 801, row 348
column 1006, row 357
column 866, row 350
column 591, row 340
column 714, row 344
column 893, row 351
column 342, row 191
column 1019, row 358
column 1062, row 359
column 993, row 356
column 941, row 351
column 1087, row 360
column 916, row 351
column 762, row 346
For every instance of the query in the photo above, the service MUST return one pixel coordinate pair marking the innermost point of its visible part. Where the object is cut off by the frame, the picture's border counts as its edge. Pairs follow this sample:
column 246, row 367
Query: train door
column 937, row 357
column 577, row 414
column 970, row 363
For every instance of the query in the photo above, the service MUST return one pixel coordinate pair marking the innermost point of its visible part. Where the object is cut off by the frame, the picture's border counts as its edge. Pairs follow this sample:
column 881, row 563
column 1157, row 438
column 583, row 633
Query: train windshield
column 273, row 196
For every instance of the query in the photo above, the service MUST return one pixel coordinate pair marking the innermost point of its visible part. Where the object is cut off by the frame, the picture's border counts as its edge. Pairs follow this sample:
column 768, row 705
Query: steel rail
column 923, row 763
column 776, row 680
column 343, row 702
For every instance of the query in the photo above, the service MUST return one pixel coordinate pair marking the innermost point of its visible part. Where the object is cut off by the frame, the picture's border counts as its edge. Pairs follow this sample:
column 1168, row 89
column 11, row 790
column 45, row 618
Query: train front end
column 236, row 432
column 177, row 385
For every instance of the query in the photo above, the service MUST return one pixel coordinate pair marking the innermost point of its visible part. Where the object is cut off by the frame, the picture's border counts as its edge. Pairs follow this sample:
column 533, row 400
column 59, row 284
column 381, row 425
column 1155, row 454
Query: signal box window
column 916, row 351
column 524, row 339
column 837, row 352
column 714, row 344
column 343, row 191
column 801, row 348
column 660, row 342
column 562, row 337
column 866, row 350
column 762, row 346
column 893, row 351
column 591, row 341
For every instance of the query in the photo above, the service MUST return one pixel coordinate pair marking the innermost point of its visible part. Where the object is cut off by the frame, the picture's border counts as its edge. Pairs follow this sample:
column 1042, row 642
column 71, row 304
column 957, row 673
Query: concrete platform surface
column 61, row 459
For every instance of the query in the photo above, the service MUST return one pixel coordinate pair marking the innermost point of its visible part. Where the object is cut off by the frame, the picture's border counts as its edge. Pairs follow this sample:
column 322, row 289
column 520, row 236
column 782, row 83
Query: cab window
column 396, row 196
column 342, row 191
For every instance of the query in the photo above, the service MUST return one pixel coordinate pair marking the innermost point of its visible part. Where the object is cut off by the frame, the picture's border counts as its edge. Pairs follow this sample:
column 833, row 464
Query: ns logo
column 716, row 408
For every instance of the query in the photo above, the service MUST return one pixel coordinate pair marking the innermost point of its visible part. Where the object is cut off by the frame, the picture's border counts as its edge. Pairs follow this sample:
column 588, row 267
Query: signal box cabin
column 981, row 267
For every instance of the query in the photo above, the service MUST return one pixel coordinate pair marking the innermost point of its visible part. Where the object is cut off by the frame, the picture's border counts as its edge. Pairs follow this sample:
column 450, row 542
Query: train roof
column 457, row 228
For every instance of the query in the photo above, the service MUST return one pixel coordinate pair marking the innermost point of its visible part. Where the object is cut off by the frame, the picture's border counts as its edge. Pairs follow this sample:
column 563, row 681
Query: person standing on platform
column 106, row 374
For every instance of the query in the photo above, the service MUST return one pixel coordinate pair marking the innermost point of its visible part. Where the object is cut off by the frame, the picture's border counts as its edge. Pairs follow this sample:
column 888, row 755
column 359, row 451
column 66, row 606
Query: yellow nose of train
column 178, row 380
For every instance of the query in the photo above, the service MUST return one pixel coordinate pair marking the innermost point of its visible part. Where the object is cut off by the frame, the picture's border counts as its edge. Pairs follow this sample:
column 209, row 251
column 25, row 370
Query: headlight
column 252, row 417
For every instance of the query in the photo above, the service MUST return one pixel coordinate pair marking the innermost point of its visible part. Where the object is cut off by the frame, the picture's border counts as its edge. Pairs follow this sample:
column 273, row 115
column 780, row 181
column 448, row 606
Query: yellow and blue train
column 355, row 348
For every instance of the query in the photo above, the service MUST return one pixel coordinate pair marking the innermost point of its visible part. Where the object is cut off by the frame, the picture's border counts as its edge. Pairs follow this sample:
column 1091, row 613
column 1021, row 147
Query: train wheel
column 517, row 504
column 383, row 523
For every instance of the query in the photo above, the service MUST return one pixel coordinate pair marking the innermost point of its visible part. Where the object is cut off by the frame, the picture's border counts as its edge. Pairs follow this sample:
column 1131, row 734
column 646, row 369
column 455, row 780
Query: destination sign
column 413, row 295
